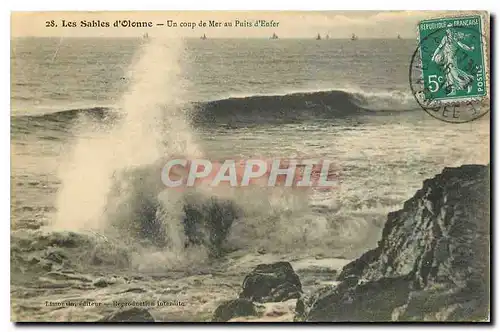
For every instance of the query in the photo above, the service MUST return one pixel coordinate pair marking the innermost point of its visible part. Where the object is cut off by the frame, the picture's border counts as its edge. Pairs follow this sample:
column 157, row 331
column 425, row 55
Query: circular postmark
column 447, row 75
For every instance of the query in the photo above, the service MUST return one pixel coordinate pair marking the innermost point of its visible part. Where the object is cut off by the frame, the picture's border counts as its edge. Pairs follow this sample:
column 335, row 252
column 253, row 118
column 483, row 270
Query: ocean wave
column 60, row 121
column 328, row 104
column 65, row 115
column 296, row 106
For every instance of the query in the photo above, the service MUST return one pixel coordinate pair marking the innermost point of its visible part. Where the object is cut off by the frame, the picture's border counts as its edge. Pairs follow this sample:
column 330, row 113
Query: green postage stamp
column 453, row 55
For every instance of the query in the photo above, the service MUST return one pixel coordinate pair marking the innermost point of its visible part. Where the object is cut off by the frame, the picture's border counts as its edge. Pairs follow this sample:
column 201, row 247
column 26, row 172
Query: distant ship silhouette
column 145, row 36
column 399, row 36
column 318, row 37
column 327, row 37
column 203, row 37
column 274, row 36
column 354, row 37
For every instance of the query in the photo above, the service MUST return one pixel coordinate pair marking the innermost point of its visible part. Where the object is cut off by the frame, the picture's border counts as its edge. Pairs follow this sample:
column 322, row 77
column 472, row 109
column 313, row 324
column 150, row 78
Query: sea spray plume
column 112, row 184
column 151, row 126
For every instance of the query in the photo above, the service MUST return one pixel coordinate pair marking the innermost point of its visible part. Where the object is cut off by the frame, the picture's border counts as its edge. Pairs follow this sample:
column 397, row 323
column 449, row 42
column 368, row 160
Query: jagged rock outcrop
column 431, row 264
column 275, row 282
column 234, row 308
column 131, row 315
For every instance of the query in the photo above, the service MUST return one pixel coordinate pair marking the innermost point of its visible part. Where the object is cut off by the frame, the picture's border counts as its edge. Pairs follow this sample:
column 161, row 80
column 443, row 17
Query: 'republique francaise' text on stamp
column 452, row 52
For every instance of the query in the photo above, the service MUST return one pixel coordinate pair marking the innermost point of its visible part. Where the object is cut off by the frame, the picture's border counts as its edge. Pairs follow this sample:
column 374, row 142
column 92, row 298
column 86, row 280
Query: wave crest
column 254, row 109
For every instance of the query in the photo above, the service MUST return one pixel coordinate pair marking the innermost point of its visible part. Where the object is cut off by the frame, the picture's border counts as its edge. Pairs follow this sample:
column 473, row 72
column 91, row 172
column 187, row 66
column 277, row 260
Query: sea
column 92, row 118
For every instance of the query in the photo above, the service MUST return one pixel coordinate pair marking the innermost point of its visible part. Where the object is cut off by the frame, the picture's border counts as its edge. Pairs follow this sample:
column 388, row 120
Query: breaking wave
column 256, row 109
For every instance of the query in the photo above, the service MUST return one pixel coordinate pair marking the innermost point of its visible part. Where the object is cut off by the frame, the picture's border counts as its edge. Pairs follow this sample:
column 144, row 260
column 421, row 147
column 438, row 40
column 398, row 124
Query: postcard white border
column 33, row 5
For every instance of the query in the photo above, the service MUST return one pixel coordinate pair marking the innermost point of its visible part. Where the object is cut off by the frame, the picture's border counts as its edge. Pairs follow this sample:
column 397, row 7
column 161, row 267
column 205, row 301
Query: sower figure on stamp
column 445, row 55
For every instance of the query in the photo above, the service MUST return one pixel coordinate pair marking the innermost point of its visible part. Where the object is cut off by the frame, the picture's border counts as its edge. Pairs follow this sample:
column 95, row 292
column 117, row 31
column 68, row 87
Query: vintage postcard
column 254, row 166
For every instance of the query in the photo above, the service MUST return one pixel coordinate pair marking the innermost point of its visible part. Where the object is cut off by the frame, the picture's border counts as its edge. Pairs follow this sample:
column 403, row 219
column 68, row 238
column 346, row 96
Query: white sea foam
column 153, row 125
column 110, row 178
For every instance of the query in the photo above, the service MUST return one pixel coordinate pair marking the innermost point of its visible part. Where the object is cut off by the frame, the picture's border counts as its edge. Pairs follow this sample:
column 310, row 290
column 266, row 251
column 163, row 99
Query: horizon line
column 209, row 38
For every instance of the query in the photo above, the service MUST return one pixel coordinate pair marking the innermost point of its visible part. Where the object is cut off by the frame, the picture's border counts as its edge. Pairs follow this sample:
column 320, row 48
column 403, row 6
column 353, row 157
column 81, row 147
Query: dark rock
column 206, row 219
column 234, row 308
column 138, row 315
column 432, row 262
column 357, row 266
column 275, row 282
column 135, row 290
column 372, row 301
column 101, row 283
column 305, row 302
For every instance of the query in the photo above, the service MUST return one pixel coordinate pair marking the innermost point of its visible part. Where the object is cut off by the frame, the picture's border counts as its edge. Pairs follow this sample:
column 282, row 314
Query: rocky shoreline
column 432, row 263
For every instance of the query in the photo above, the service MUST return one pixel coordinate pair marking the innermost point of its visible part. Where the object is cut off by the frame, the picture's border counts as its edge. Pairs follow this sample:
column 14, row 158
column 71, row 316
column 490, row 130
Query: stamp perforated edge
column 485, row 30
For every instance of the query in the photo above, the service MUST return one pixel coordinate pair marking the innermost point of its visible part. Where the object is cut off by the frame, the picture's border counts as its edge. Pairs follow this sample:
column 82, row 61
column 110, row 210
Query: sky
column 291, row 24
